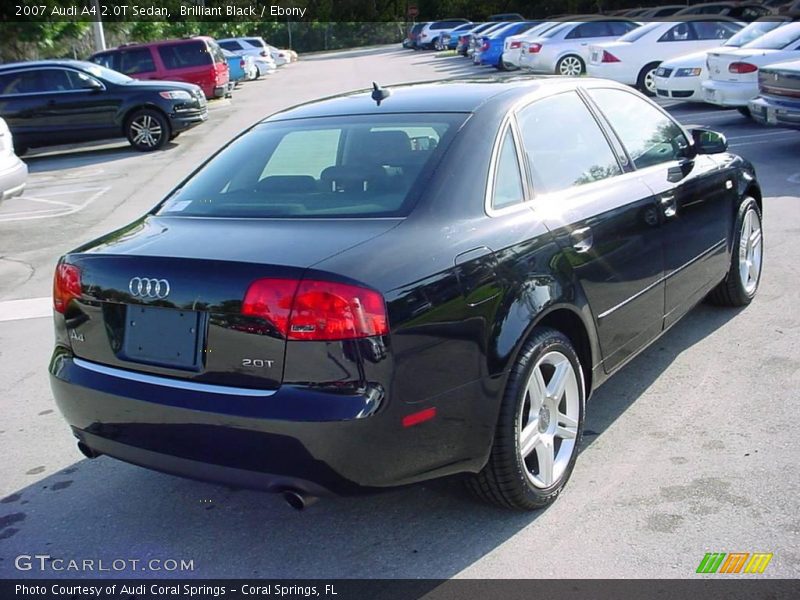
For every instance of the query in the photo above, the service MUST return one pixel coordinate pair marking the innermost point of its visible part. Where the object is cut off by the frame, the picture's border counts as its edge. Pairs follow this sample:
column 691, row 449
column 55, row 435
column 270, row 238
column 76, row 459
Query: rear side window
column 181, row 56
column 255, row 42
column 358, row 166
column 619, row 28
column 131, row 62
column 649, row 135
column 507, row 187
column 564, row 144
column 231, row 46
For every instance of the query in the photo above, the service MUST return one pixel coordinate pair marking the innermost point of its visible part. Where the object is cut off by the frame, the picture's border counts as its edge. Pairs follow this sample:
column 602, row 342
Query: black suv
column 51, row 102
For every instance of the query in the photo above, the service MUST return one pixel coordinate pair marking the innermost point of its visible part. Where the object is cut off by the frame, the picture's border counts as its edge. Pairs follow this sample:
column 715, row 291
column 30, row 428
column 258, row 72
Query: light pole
column 97, row 28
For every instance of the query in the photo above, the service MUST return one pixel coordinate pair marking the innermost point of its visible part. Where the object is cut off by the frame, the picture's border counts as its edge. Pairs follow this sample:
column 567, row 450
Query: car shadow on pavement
column 106, row 509
column 70, row 157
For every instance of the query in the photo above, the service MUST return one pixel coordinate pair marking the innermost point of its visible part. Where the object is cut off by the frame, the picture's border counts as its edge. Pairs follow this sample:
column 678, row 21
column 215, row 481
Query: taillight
column 515, row 44
column 742, row 67
column 608, row 57
column 66, row 286
column 264, row 53
column 241, row 63
column 317, row 310
column 534, row 48
column 485, row 46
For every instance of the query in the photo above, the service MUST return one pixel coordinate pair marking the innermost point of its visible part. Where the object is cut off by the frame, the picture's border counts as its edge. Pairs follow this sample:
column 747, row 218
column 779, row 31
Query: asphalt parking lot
column 691, row 449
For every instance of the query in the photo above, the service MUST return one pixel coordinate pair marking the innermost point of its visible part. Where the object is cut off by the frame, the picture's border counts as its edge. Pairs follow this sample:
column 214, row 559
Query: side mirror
column 92, row 85
column 707, row 141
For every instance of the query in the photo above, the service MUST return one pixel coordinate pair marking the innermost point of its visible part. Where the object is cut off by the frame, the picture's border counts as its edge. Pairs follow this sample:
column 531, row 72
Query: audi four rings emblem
column 145, row 287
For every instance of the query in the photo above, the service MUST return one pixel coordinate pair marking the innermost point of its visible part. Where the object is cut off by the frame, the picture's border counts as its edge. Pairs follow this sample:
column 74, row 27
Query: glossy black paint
column 464, row 288
column 52, row 118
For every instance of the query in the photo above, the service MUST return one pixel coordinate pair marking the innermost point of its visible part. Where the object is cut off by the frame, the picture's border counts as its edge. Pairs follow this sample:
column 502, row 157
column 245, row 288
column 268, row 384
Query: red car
column 196, row 60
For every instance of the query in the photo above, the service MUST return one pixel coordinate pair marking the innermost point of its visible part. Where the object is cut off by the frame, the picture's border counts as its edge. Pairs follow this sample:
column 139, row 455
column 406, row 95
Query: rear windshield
column 640, row 32
column 778, row 38
column 356, row 166
column 752, row 31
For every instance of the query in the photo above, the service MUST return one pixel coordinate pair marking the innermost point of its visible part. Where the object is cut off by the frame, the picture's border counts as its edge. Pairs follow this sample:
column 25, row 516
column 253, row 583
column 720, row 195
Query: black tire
column 157, row 125
column 641, row 84
column 731, row 291
column 570, row 56
column 504, row 480
column 174, row 135
column 744, row 111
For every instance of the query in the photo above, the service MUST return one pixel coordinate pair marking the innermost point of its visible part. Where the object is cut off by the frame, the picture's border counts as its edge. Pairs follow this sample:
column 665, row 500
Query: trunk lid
column 164, row 295
column 719, row 64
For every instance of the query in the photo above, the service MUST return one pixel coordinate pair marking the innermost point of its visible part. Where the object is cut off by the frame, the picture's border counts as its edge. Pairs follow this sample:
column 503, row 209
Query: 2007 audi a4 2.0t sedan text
column 382, row 288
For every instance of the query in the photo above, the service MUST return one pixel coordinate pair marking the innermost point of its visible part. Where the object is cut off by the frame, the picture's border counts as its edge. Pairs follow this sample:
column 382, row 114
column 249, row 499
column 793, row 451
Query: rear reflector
column 608, row 57
column 317, row 310
column 742, row 67
column 66, row 286
column 534, row 48
column 419, row 417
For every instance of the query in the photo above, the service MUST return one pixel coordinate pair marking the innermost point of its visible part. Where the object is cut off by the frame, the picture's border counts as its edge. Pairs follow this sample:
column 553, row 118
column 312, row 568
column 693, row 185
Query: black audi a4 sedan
column 52, row 102
column 358, row 294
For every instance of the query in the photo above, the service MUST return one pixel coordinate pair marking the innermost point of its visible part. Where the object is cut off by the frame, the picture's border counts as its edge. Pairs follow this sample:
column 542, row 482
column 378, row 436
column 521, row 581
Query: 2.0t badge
column 145, row 287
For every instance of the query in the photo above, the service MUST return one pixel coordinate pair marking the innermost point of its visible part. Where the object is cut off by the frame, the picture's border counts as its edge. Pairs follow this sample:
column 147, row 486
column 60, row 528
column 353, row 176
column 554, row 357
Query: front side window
column 714, row 30
column 679, row 33
column 181, row 56
column 358, row 166
column 564, row 144
column 507, row 187
column 36, row 81
column 649, row 135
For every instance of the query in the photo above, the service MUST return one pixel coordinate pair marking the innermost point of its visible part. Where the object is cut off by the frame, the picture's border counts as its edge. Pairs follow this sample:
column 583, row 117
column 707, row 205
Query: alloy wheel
column 571, row 66
column 548, row 421
column 146, row 131
column 650, row 81
column 750, row 251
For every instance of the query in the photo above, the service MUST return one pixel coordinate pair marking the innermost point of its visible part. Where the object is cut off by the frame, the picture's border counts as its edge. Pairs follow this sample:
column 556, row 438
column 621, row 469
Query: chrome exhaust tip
column 298, row 500
column 88, row 452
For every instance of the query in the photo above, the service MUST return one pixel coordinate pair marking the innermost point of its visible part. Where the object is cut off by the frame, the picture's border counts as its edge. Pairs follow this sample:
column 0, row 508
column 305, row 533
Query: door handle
column 582, row 239
column 668, row 205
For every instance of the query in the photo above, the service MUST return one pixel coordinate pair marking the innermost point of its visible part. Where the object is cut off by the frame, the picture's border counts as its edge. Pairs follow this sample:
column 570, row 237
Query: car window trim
column 509, row 124
column 50, row 68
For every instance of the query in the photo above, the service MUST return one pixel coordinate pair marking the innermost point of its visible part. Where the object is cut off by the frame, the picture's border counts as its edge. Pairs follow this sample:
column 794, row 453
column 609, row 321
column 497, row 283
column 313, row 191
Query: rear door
column 694, row 195
column 603, row 217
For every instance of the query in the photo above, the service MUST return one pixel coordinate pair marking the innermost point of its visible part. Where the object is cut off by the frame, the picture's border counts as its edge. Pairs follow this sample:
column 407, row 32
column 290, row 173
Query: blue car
column 492, row 45
column 237, row 66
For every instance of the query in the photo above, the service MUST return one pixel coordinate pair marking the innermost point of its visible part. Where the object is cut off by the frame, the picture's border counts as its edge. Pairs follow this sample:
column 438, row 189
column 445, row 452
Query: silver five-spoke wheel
column 750, row 251
column 548, row 422
column 146, row 131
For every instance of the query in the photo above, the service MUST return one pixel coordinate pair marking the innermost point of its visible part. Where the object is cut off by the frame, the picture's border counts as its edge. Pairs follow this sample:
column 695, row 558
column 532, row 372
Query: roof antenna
column 379, row 94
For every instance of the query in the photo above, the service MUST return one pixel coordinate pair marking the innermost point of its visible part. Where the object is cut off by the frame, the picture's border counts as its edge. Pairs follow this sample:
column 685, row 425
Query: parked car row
column 148, row 93
column 720, row 53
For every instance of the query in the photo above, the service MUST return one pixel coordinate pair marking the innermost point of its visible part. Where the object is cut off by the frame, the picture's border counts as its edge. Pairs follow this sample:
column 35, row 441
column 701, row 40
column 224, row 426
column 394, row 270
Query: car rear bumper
column 269, row 440
column 729, row 93
column 13, row 178
column 776, row 112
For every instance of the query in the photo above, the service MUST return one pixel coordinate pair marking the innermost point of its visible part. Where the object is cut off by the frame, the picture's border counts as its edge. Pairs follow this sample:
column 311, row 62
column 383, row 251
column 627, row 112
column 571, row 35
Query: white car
column 13, row 172
column 733, row 74
column 512, row 47
column 634, row 58
column 252, row 46
column 428, row 35
column 564, row 49
column 681, row 78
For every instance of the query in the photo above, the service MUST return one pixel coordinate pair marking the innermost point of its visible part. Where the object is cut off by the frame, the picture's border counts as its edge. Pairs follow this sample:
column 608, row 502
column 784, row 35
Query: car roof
column 442, row 96
column 79, row 64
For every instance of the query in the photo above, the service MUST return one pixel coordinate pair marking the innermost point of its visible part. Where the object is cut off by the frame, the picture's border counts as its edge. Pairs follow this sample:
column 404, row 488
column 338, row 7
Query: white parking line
column 31, row 308
column 64, row 208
